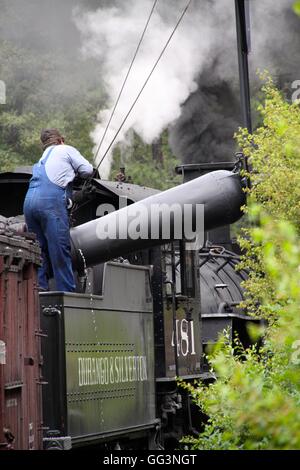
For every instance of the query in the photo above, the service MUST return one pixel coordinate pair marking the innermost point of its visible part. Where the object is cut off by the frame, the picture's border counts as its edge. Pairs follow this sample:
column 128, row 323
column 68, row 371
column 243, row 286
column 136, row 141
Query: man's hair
column 51, row 137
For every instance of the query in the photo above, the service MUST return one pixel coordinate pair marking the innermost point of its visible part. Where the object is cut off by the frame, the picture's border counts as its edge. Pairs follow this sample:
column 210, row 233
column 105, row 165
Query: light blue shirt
column 64, row 163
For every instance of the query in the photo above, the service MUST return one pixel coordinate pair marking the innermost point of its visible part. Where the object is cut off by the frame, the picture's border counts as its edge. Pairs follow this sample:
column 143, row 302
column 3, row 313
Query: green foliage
column 38, row 96
column 273, row 152
column 143, row 169
column 296, row 7
column 41, row 94
column 254, row 403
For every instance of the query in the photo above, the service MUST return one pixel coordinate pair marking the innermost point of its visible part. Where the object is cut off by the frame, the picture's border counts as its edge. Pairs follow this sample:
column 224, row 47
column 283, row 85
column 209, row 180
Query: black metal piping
column 243, row 47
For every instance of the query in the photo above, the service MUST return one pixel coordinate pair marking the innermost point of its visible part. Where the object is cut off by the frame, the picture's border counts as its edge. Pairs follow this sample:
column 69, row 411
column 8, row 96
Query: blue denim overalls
column 46, row 215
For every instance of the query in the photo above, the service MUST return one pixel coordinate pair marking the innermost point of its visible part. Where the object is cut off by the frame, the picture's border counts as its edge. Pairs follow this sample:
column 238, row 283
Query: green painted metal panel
column 102, row 349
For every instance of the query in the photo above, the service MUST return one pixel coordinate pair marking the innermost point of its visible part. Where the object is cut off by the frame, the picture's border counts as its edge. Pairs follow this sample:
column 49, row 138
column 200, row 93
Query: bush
column 274, row 154
column 254, row 403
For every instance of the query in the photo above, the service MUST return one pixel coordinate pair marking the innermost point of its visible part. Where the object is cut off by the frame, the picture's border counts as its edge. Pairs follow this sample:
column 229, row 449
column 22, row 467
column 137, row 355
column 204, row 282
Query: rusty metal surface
column 20, row 389
column 133, row 192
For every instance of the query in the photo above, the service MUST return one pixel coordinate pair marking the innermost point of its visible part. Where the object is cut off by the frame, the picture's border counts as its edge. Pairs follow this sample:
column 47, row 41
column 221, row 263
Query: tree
column 39, row 95
column 274, row 152
column 254, row 403
column 147, row 165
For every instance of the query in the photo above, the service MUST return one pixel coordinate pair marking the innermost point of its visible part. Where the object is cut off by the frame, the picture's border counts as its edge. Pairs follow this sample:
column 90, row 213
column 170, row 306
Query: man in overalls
column 45, row 207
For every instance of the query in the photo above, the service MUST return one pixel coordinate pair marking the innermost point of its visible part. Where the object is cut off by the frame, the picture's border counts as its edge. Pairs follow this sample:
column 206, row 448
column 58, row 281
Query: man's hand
column 86, row 194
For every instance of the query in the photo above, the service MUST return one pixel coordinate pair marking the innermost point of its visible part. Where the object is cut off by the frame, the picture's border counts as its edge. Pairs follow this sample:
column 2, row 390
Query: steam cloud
column 209, row 118
column 194, row 90
column 112, row 35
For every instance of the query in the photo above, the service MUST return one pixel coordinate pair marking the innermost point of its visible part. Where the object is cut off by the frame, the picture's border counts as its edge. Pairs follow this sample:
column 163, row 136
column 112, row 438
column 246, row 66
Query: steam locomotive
column 143, row 313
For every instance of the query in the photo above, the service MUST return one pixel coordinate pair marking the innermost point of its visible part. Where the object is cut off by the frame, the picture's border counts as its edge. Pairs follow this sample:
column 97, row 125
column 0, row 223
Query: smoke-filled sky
column 193, row 91
column 111, row 34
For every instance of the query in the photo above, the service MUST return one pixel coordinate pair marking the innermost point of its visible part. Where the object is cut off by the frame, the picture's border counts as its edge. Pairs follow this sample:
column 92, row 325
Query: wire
column 127, row 75
column 146, row 81
column 121, row 89
column 75, row 207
